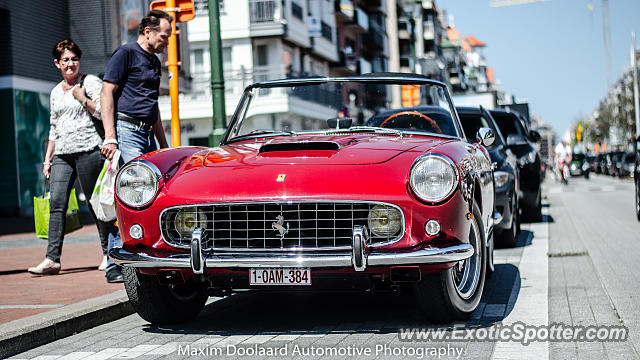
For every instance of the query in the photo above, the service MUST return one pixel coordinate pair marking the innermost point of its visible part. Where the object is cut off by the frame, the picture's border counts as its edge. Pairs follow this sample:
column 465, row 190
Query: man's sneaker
column 114, row 275
column 46, row 267
column 103, row 264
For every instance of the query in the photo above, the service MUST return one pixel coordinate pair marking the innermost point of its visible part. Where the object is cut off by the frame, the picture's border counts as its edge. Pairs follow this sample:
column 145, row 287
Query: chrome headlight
column 137, row 183
column 384, row 221
column 433, row 177
column 501, row 178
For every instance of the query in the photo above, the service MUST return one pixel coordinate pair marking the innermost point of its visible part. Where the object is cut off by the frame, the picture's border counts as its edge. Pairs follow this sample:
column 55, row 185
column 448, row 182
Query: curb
column 27, row 333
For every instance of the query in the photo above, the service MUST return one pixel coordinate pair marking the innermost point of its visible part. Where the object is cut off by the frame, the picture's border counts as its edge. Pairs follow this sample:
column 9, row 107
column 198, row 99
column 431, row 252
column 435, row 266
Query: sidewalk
column 32, row 308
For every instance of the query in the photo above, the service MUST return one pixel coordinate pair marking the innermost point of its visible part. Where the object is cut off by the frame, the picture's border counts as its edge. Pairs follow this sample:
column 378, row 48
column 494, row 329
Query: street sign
column 184, row 9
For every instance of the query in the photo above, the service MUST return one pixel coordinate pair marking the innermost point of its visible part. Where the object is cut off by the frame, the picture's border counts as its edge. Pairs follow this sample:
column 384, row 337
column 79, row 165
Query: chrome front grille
column 273, row 226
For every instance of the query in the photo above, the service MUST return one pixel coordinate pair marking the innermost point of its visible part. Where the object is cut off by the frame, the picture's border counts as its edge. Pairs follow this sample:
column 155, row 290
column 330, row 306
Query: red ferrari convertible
column 301, row 196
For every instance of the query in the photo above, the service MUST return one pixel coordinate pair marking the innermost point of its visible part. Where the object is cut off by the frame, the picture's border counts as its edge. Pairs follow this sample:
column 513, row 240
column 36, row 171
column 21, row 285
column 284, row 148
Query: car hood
column 360, row 149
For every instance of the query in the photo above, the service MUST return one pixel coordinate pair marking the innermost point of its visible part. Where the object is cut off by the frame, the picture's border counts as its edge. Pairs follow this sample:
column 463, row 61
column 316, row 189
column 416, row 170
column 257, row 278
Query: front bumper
column 359, row 258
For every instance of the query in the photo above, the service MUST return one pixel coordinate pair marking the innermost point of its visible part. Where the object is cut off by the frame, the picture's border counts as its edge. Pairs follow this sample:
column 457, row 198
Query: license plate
column 280, row 276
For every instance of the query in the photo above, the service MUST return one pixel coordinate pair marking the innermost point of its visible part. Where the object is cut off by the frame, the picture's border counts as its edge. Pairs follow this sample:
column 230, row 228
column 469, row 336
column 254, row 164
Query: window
column 226, row 58
column 198, row 61
column 296, row 10
column 261, row 55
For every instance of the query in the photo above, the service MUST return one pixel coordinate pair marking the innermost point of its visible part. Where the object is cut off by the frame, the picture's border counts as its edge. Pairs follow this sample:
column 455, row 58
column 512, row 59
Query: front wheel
column 160, row 304
column 455, row 293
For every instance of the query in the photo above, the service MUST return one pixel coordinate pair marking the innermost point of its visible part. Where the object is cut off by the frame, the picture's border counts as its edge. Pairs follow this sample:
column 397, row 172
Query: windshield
column 344, row 106
column 578, row 157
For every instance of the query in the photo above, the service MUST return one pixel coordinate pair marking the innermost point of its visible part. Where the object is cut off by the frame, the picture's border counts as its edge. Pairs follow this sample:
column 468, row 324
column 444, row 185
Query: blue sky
column 551, row 53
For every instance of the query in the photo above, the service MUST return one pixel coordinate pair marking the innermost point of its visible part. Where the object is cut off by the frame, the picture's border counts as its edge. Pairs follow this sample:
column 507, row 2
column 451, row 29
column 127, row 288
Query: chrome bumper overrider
column 359, row 258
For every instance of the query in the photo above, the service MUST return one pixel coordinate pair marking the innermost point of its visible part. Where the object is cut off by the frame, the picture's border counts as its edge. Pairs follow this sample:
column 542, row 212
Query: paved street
column 577, row 267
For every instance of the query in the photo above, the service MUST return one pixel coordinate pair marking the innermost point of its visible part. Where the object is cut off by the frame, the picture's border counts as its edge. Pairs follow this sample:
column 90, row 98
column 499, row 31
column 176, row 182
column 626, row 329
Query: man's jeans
column 132, row 142
column 65, row 169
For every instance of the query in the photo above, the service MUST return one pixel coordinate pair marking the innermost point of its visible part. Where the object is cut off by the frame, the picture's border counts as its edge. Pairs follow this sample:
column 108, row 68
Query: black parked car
column 601, row 163
column 506, row 214
column 613, row 163
column 521, row 141
column 593, row 162
column 636, row 180
column 627, row 164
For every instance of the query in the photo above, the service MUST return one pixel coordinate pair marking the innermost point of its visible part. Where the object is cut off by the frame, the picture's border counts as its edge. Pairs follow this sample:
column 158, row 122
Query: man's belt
column 141, row 124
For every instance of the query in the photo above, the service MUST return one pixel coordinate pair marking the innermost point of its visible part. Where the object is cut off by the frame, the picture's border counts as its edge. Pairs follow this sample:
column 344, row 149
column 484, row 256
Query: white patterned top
column 72, row 129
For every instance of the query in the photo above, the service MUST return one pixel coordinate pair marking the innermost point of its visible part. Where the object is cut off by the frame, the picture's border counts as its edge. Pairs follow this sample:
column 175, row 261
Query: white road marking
column 165, row 349
column 76, row 355
column 136, row 351
column 258, row 339
column 532, row 304
column 49, row 306
column 106, row 354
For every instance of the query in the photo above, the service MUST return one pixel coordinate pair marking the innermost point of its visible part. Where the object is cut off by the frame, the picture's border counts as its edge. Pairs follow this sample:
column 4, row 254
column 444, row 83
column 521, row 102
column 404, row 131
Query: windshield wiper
column 365, row 129
column 260, row 133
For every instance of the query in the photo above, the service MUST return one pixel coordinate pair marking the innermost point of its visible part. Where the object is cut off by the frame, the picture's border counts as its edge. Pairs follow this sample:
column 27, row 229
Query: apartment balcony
column 347, row 64
column 365, row 66
column 344, row 11
column 266, row 18
column 372, row 4
column 373, row 43
column 428, row 30
column 406, row 63
column 404, row 29
column 427, row 4
column 360, row 23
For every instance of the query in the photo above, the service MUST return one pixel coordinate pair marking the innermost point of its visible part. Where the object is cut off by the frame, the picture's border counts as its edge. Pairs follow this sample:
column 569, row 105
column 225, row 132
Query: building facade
column 30, row 30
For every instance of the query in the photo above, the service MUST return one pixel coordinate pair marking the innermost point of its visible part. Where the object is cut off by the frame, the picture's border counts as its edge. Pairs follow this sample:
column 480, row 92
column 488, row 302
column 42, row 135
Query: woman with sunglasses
column 73, row 151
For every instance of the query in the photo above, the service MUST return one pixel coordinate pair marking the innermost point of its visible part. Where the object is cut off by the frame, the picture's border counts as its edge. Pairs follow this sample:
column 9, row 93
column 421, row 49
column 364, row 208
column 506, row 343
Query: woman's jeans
column 85, row 166
column 132, row 142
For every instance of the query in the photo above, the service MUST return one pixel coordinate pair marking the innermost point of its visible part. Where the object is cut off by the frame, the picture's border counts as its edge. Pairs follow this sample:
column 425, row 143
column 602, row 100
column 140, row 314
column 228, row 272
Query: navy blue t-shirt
column 137, row 74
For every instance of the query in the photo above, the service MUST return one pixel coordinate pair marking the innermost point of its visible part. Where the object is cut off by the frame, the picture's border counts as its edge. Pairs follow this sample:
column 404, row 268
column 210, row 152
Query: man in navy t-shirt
column 129, row 96
column 129, row 100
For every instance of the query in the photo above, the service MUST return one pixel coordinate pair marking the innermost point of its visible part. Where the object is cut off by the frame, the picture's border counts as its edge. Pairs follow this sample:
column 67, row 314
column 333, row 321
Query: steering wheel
column 402, row 113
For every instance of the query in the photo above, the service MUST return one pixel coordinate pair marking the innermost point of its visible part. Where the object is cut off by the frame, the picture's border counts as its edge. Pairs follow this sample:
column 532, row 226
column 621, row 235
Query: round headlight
column 384, row 221
column 187, row 220
column 433, row 177
column 137, row 183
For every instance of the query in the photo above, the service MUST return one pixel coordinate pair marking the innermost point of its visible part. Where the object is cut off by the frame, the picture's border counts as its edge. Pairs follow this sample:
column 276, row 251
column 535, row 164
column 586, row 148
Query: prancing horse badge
column 281, row 177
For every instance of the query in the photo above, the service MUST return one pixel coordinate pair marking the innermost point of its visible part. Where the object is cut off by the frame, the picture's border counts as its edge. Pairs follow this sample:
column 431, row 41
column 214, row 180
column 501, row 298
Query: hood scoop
column 299, row 146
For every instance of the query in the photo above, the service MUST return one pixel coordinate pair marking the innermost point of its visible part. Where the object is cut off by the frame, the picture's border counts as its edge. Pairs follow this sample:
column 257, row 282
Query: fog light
column 136, row 231
column 432, row 227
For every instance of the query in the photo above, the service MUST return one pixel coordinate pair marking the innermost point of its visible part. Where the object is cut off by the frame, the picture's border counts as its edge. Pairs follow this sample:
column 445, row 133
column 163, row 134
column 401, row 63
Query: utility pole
column 181, row 11
column 172, row 64
column 634, row 68
column 217, row 75
column 394, row 50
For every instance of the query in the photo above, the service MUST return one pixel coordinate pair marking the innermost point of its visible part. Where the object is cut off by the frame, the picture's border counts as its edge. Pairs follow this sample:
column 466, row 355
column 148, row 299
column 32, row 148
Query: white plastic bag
column 103, row 197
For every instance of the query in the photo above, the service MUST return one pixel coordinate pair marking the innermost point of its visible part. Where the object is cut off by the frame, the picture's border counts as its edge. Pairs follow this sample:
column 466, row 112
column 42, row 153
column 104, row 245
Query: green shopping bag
column 41, row 214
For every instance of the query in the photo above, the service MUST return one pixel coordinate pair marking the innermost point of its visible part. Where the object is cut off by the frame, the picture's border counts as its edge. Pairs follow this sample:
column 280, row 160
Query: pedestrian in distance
column 129, row 99
column 73, row 151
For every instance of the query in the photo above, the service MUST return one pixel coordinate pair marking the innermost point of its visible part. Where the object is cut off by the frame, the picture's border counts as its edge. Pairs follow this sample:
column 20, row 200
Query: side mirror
column 534, row 136
column 515, row 140
column 485, row 136
column 339, row 123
